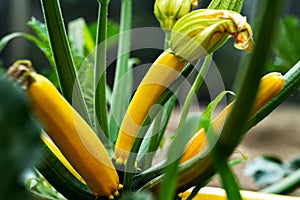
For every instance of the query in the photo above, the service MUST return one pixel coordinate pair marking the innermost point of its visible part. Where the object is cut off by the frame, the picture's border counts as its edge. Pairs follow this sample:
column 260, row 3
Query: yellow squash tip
column 120, row 187
column 116, row 193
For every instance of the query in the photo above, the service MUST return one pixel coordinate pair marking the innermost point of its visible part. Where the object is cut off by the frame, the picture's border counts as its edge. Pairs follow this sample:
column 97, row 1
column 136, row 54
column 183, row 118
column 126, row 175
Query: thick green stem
column 100, row 72
column 195, row 87
column 234, row 125
column 61, row 52
column 228, row 179
column 123, row 77
column 201, row 167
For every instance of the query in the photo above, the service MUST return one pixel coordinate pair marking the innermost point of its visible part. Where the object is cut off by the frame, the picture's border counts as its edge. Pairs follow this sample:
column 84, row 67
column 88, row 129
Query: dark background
column 16, row 13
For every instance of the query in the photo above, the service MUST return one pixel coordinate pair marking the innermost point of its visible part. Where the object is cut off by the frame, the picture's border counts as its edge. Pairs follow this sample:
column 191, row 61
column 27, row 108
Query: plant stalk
column 123, row 80
column 61, row 52
column 100, row 72
column 195, row 87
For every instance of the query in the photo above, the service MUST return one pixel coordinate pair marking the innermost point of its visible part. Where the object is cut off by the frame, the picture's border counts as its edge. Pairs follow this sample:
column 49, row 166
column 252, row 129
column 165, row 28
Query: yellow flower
column 204, row 31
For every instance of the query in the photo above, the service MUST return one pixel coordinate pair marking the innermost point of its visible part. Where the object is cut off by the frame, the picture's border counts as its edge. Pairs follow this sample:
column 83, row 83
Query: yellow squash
column 73, row 136
column 270, row 86
column 159, row 77
column 210, row 193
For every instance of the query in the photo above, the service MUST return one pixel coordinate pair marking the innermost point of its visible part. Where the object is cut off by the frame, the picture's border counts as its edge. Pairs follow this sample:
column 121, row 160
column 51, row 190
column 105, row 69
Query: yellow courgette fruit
column 270, row 86
column 210, row 193
column 72, row 135
column 159, row 77
column 61, row 157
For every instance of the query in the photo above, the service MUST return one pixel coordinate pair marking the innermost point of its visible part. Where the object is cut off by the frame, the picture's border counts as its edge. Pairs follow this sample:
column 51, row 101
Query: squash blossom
column 168, row 12
column 203, row 31
column 170, row 63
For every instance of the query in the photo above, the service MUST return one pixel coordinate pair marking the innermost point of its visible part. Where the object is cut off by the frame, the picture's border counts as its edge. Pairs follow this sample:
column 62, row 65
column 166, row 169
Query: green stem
column 61, row 52
column 195, row 87
column 237, row 119
column 183, row 134
column 229, row 181
column 284, row 185
column 123, row 81
column 167, row 39
column 156, row 130
column 100, row 72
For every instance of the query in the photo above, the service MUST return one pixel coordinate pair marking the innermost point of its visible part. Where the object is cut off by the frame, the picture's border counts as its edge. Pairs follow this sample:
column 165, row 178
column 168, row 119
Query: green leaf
column 40, row 29
column 206, row 115
column 76, row 35
column 82, row 43
column 287, row 45
column 86, row 79
column 112, row 29
column 6, row 39
column 266, row 170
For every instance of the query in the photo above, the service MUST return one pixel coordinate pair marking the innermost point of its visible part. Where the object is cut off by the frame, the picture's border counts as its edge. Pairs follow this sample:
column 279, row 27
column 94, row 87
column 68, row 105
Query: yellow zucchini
column 270, row 86
column 159, row 77
column 69, row 132
column 72, row 135
column 219, row 194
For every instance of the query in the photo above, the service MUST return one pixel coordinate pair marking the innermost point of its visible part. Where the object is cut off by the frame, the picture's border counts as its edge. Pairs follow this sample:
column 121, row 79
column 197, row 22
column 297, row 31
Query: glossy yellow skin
column 159, row 77
column 270, row 86
column 210, row 193
column 73, row 136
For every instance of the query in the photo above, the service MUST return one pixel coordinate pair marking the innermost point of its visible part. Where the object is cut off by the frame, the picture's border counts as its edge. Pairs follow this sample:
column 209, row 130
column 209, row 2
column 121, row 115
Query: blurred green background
column 16, row 14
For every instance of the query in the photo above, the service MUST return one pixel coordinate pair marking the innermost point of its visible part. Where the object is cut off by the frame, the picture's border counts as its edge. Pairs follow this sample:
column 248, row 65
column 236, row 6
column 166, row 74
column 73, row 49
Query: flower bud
column 168, row 12
column 203, row 31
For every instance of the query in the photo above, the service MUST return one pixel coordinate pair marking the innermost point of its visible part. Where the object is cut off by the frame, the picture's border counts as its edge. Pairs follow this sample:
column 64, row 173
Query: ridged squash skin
column 270, row 86
column 73, row 136
column 159, row 77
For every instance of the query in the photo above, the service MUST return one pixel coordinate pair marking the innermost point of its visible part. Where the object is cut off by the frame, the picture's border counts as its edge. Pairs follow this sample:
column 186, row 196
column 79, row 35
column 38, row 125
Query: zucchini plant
column 87, row 154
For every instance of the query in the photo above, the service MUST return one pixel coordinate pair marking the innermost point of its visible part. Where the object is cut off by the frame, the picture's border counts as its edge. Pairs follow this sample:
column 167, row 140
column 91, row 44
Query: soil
column 277, row 135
